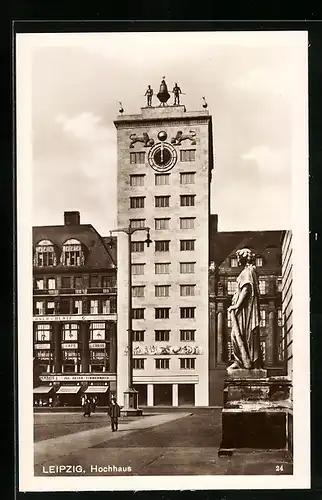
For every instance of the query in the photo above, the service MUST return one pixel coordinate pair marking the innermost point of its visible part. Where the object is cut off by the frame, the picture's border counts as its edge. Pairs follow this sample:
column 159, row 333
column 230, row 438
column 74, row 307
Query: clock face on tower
column 162, row 157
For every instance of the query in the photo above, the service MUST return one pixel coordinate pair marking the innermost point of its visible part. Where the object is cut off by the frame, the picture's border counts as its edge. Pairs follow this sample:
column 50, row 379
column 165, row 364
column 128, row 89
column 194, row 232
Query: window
column 280, row 351
column 70, row 332
column 187, row 245
column 162, row 246
column 187, row 267
column 94, row 281
column 187, row 222
column 51, row 283
column 65, row 282
column 78, row 282
column 45, row 255
column 137, row 157
column 138, row 363
column 187, row 312
column 138, row 313
column 137, row 180
column 263, row 349
column 108, row 281
column 279, row 317
column 50, row 307
column 137, row 223
column 233, row 262
column 279, row 285
column 187, row 178
column 258, row 261
column 228, row 320
column 43, row 333
column 97, row 331
column 162, row 290
column 137, row 269
column 162, row 364
column 94, row 306
column 187, row 335
column 187, row 363
column 39, row 283
column 162, row 268
column 138, row 335
column 160, row 224
column 77, row 307
column 231, row 287
column 162, row 312
column 161, row 201
column 138, row 291
column 187, row 290
column 137, row 202
column 137, row 246
column 162, row 179
column 262, row 287
column 64, row 306
column 106, row 306
column 72, row 254
column 262, row 318
column 162, row 335
column 187, row 155
column 187, row 200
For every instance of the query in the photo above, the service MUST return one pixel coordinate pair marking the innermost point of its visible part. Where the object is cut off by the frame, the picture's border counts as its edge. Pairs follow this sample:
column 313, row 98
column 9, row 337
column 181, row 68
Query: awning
column 43, row 389
column 98, row 389
column 68, row 389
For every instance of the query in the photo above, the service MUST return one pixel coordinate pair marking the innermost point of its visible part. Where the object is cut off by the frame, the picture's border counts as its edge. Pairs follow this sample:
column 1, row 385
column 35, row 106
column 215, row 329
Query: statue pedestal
column 255, row 413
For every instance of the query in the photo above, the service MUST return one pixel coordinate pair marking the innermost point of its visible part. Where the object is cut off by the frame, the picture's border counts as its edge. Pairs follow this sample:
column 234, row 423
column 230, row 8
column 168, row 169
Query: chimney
column 71, row 218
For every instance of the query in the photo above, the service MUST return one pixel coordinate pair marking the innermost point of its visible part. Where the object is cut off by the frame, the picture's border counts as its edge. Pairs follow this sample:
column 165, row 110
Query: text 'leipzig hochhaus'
column 182, row 277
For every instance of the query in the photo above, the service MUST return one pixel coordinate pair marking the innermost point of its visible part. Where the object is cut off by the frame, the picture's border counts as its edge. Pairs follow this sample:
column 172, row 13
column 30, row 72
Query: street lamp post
column 131, row 395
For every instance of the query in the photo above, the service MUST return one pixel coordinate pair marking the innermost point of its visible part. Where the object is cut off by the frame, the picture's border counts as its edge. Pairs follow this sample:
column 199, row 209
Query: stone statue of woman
column 245, row 316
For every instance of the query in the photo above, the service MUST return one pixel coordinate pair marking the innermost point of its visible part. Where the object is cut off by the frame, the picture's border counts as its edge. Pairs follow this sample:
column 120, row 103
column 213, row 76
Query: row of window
column 164, row 363
column 70, row 332
column 163, row 246
column 77, row 282
column 164, row 223
column 73, row 306
column 138, row 157
column 263, row 318
column 263, row 286
column 164, row 335
column 164, row 268
column 259, row 261
column 164, row 312
column 186, row 200
column 164, row 290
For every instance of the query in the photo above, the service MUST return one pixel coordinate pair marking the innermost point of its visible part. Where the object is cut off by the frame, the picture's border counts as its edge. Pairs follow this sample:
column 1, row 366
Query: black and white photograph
column 162, row 259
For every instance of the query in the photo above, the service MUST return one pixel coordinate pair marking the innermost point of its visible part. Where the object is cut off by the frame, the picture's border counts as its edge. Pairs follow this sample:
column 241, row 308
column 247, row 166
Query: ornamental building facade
column 74, row 313
column 165, row 161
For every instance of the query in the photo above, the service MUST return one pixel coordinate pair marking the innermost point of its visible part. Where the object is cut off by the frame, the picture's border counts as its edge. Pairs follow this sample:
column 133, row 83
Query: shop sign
column 72, row 345
column 76, row 317
column 97, row 345
column 81, row 377
column 42, row 346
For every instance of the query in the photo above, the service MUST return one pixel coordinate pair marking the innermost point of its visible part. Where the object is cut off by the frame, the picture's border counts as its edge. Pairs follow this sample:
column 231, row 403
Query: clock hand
column 161, row 152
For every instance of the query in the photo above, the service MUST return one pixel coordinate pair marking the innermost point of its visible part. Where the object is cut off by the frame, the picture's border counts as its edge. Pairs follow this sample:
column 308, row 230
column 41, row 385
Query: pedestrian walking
column 93, row 404
column 114, row 413
column 87, row 408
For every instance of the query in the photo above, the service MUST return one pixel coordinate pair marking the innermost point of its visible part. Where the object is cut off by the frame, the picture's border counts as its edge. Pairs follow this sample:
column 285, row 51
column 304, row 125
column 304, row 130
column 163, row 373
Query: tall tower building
column 163, row 182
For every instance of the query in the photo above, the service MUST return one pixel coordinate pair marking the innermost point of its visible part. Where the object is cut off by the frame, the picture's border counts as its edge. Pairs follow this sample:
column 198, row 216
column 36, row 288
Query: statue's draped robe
column 248, row 318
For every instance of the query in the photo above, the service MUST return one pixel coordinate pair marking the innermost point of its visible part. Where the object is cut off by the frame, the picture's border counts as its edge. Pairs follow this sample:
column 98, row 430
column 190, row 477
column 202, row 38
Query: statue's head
column 245, row 256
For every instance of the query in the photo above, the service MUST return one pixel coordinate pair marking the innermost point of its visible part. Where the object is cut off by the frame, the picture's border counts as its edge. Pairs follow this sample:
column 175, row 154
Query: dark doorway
column 186, row 394
column 162, row 395
column 143, row 393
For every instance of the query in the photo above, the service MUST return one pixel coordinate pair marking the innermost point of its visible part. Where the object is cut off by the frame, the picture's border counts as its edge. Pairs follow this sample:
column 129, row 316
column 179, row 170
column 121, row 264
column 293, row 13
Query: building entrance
column 162, row 395
column 186, row 394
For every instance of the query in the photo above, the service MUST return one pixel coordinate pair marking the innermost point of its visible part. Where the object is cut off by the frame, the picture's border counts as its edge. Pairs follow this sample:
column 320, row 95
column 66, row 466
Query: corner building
column 163, row 182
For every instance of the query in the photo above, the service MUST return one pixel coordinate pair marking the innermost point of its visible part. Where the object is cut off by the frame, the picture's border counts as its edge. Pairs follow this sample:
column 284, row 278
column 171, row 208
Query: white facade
column 181, row 341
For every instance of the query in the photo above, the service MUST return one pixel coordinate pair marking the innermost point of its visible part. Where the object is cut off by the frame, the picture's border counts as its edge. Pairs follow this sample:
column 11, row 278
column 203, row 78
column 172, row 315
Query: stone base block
column 131, row 412
column 259, row 429
column 246, row 374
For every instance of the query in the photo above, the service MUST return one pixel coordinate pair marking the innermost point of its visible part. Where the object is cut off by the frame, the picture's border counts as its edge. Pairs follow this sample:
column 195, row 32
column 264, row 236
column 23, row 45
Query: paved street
column 156, row 444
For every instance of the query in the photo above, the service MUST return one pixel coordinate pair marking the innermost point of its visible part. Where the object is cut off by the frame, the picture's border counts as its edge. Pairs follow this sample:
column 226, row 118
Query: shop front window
column 97, row 331
column 70, row 332
column 99, row 361
column 43, row 333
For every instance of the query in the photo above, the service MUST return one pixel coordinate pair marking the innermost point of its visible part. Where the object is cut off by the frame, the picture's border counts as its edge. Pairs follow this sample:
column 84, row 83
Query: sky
column 253, row 83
